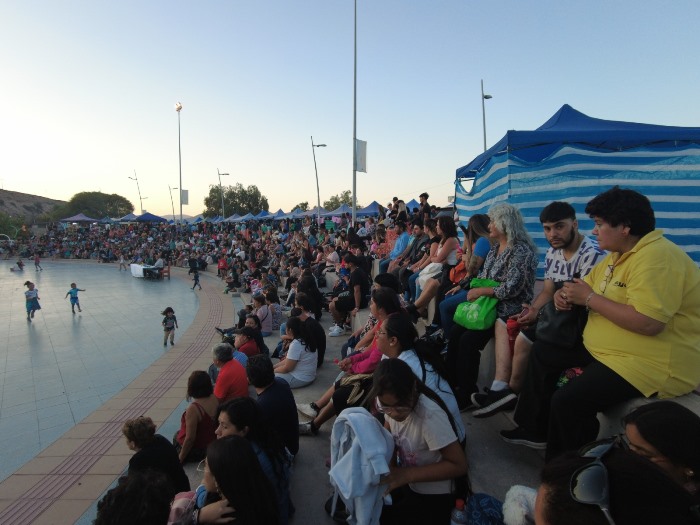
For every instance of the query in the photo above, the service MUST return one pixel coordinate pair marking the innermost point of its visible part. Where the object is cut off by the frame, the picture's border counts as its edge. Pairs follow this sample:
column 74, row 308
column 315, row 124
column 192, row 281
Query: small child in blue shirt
column 74, row 301
column 196, row 280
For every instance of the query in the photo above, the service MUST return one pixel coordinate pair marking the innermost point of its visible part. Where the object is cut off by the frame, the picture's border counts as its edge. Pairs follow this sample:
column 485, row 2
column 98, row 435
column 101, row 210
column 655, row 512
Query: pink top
column 366, row 361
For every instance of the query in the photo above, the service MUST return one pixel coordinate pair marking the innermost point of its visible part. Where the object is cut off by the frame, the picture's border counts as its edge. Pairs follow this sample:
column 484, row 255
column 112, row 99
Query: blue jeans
column 448, row 306
column 412, row 286
column 384, row 265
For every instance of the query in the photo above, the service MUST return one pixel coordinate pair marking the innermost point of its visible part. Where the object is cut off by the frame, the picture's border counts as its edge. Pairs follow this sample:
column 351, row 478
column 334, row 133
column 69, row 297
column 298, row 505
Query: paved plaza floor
column 68, row 382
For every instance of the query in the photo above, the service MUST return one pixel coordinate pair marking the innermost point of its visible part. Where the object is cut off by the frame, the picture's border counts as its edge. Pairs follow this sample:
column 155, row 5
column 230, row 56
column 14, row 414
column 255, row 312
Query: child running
column 169, row 325
column 37, row 263
column 32, row 297
column 74, row 301
column 196, row 280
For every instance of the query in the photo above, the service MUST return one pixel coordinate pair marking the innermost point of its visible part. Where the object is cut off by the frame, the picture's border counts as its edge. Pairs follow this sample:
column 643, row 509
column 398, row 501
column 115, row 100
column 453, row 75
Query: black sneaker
column 341, row 514
column 520, row 436
column 219, row 330
column 494, row 402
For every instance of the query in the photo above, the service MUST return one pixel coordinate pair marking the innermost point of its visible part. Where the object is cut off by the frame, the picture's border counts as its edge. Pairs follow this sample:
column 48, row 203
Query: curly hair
column 622, row 206
column 140, row 430
column 509, row 220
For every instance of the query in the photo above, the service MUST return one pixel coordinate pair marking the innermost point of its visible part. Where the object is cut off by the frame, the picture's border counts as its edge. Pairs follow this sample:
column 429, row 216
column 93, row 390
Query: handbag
column 458, row 273
column 481, row 313
column 562, row 328
column 428, row 273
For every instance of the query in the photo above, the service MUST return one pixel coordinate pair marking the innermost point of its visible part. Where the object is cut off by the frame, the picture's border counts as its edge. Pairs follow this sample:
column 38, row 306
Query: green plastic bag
column 480, row 314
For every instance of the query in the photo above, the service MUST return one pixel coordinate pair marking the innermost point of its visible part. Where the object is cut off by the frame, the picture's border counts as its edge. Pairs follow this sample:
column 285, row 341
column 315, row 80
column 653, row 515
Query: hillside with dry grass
column 18, row 204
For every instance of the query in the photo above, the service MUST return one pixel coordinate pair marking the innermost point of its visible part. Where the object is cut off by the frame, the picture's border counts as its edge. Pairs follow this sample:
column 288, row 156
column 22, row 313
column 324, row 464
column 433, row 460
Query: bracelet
column 588, row 300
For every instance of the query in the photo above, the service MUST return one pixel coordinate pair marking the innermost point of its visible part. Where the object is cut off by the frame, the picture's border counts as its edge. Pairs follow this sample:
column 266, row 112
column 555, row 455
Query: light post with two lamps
column 318, row 192
column 223, row 213
column 139, row 190
column 483, row 109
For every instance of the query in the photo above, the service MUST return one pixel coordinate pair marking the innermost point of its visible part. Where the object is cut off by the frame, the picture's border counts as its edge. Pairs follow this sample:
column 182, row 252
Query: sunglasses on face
column 590, row 484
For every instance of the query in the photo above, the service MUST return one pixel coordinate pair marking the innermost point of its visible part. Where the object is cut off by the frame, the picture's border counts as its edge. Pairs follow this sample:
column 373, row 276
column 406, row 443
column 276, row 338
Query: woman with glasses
column 427, row 456
column 641, row 338
column 605, row 485
column 398, row 339
column 352, row 384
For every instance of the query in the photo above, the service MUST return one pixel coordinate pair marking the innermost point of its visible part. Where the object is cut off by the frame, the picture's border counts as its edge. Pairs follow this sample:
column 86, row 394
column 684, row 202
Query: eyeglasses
column 608, row 275
column 202, row 466
column 391, row 410
column 590, row 484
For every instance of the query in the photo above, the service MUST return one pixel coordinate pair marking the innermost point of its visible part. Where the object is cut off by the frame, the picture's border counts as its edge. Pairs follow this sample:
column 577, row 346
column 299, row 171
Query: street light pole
column 178, row 108
column 318, row 192
column 483, row 109
column 221, row 190
column 354, row 124
column 172, row 205
column 139, row 189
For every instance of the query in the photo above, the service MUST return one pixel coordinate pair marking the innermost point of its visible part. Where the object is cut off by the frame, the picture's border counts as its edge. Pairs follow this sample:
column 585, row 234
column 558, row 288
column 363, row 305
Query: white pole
column 354, row 127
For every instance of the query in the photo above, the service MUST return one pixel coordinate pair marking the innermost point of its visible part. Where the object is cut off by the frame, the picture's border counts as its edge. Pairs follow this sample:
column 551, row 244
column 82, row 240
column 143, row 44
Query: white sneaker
column 305, row 409
column 336, row 331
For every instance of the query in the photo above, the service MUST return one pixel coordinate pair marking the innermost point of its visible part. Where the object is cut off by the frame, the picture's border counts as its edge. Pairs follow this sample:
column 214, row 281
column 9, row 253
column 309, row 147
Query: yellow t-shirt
column 660, row 281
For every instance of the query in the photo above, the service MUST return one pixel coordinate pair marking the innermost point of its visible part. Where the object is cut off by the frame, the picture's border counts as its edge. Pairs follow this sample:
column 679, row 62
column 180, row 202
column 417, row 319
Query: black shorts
column 345, row 302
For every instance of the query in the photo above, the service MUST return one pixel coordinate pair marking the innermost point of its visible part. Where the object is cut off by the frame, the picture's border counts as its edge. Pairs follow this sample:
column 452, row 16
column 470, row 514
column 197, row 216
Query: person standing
column 32, row 298
column 195, row 278
column 122, row 262
column 74, row 301
column 37, row 263
column 169, row 325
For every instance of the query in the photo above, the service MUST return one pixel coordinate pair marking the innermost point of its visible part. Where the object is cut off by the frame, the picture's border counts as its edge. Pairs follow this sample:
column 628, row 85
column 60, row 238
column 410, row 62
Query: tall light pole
column 223, row 213
column 318, row 192
column 483, row 109
column 178, row 108
column 172, row 205
column 354, row 124
column 139, row 189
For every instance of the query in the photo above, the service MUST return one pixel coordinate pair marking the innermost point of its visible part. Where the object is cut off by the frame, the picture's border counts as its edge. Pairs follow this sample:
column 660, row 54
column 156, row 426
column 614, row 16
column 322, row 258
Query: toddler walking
column 196, row 280
column 74, row 301
column 32, row 299
column 169, row 325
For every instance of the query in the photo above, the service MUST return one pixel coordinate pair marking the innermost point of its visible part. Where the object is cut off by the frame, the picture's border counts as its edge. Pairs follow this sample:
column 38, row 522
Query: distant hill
column 30, row 206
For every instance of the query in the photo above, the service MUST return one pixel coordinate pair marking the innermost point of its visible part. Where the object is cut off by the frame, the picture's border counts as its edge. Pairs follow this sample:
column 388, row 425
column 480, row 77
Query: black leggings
column 463, row 359
column 411, row 508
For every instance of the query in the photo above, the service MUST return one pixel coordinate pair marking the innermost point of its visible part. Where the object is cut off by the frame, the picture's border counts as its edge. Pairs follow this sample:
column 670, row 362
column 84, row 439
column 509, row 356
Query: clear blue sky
column 89, row 87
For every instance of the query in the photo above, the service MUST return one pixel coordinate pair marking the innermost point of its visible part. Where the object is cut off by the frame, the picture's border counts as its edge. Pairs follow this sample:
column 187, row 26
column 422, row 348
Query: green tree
column 94, row 204
column 9, row 225
column 303, row 206
column 345, row 197
column 237, row 199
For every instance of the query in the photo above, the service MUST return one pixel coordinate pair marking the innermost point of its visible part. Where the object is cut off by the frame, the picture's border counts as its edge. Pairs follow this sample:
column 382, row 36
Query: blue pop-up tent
column 149, row 217
column 574, row 157
column 369, row 210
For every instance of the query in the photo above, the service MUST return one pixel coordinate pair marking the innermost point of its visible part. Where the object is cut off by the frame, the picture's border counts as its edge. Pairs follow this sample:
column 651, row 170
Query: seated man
column 232, row 380
column 402, row 239
column 276, row 401
column 353, row 300
column 570, row 254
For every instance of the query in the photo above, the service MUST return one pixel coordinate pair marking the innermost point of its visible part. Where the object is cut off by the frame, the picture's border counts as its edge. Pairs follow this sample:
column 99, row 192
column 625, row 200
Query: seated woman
column 298, row 368
column 244, row 341
column 641, row 338
column 352, row 384
column 197, row 423
column 435, row 284
column 427, row 457
column 512, row 262
column 398, row 339
column 667, row 434
column 242, row 417
column 429, row 250
column 262, row 311
column 273, row 303
column 236, row 487
column 604, row 485
column 476, row 247
column 154, row 452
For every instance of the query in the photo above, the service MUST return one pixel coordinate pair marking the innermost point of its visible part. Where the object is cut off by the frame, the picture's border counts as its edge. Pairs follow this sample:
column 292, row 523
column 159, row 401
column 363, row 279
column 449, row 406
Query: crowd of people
column 616, row 319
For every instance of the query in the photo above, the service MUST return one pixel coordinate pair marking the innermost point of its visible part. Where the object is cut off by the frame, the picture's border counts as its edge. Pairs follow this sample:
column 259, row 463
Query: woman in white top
column 447, row 255
column 427, row 458
column 299, row 366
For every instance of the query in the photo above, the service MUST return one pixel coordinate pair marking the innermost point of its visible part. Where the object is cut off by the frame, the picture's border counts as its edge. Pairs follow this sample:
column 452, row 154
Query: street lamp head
column 486, row 97
column 178, row 106
column 132, row 178
column 223, row 174
column 319, row 145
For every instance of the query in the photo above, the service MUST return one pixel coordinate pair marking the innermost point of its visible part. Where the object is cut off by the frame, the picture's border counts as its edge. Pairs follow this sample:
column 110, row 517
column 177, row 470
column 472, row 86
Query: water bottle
column 459, row 515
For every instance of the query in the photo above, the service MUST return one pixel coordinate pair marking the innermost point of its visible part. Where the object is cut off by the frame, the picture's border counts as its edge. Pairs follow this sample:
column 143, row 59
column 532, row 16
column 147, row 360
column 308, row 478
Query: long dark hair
column 399, row 325
column 244, row 412
column 240, row 478
column 302, row 332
